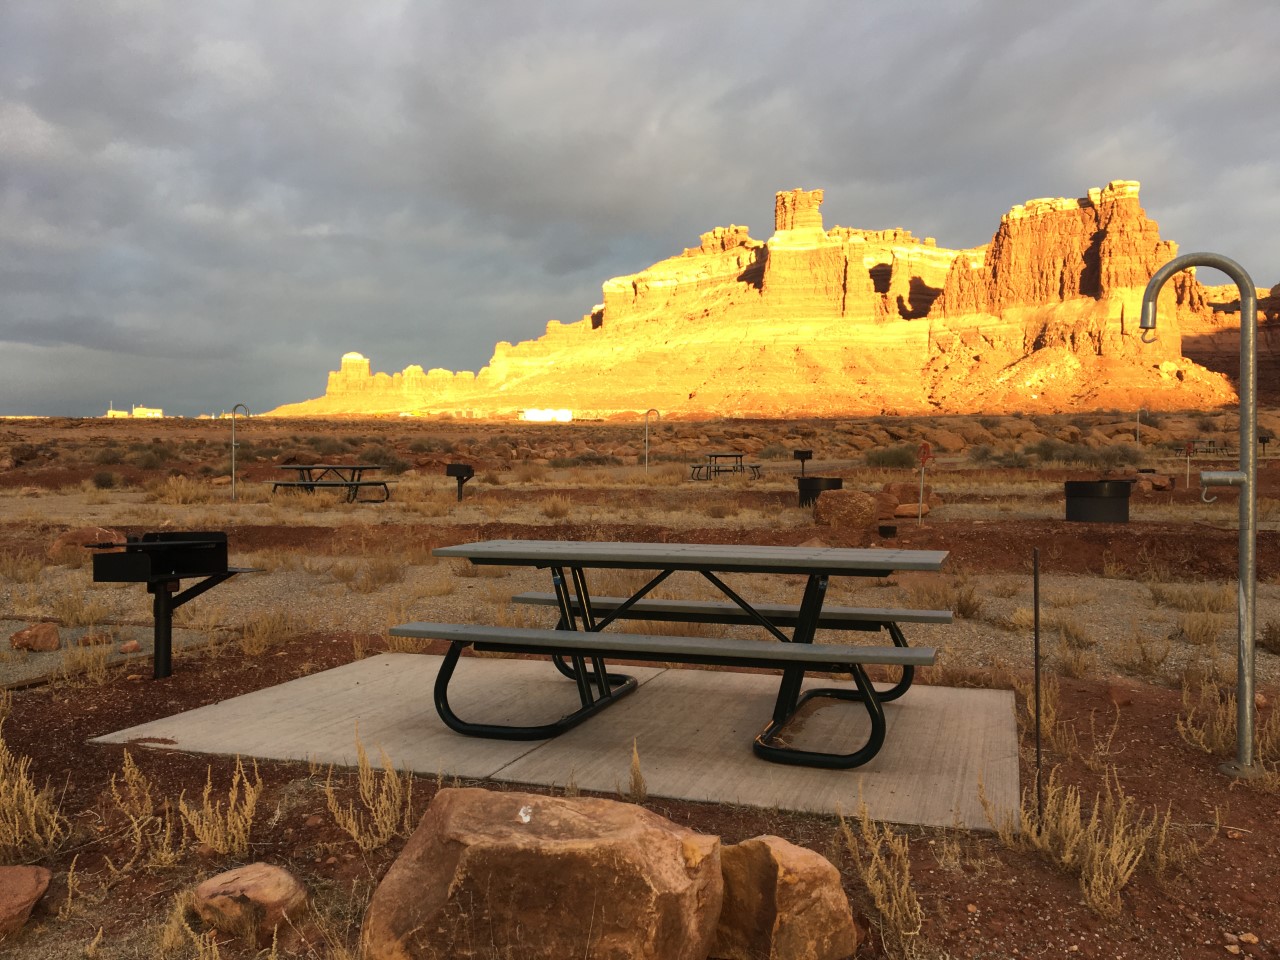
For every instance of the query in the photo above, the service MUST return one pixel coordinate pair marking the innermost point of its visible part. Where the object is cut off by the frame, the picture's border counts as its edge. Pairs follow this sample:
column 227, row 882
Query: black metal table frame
column 349, row 475
column 573, row 596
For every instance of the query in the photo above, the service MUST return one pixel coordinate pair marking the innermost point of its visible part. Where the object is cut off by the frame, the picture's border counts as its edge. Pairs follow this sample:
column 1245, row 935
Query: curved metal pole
column 646, row 435
column 1245, row 478
column 238, row 406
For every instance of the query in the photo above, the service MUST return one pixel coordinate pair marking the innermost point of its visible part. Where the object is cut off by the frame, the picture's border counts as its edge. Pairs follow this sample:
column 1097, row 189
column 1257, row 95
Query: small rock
column 130, row 646
column 1249, row 938
column 77, row 540
column 911, row 510
column 1232, row 948
column 20, row 889
column 257, row 900
column 39, row 637
column 1260, row 701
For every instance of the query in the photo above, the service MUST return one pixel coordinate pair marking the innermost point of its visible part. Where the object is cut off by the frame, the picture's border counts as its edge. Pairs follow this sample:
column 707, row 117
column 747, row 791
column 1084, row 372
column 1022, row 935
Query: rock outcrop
column 822, row 322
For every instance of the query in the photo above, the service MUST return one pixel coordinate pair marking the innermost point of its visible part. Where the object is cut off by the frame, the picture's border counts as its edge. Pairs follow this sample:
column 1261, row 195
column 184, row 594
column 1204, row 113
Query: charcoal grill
column 162, row 561
column 462, row 471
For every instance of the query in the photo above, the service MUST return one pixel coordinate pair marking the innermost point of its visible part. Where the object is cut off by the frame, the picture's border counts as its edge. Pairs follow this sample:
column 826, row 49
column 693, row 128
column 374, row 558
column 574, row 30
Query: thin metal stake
column 1035, row 660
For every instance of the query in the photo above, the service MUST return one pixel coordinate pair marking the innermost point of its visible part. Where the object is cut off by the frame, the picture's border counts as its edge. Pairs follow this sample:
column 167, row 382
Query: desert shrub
column 980, row 454
column 1151, row 419
column 104, row 480
column 903, row 455
column 1014, row 460
column 386, row 458
column 773, row 451
column 108, row 456
column 148, row 461
column 328, row 446
column 1118, row 455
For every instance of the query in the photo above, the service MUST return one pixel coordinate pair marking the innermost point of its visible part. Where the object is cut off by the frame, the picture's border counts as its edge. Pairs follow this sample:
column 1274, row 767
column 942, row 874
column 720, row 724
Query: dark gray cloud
column 209, row 204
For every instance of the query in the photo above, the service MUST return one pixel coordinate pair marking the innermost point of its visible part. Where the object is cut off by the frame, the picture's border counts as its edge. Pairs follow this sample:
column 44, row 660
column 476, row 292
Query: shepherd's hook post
column 1245, row 478
column 238, row 406
column 646, row 435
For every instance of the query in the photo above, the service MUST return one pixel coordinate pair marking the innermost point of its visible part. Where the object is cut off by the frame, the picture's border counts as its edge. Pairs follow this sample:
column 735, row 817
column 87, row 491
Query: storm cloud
column 205, row 204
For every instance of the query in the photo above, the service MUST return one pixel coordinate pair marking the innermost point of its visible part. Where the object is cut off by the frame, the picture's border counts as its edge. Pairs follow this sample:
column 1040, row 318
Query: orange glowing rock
column 825, row 322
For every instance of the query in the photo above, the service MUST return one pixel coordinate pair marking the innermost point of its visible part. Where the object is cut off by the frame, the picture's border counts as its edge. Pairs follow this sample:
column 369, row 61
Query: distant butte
column 826, row 322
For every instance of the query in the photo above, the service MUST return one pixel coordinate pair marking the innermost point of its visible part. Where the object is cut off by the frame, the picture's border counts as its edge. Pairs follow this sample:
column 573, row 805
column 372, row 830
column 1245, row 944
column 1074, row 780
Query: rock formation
column 818, row 322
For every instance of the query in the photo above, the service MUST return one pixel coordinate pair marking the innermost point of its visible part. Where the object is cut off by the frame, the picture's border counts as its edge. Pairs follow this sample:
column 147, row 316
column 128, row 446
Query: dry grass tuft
column 556, row 507
column 1199, row 629
column 386, row 798
column 1103, row 849
column 883, row 861
column 1195, row 597
column 954, row 593
column 1268, row 638
column 31, row 822
column 225, row 831
column 158, row 839
column 266, row 630
column 180, row 491
column 73, row 610
column 1140, row 656
column 86, row 665
column 17, row 568
column 637, row 789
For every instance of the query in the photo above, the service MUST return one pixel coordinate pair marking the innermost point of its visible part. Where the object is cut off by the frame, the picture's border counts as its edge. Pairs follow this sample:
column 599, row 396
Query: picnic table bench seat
column 353, row 487
column 597, row 688
column 779, row 614
column 717, row 611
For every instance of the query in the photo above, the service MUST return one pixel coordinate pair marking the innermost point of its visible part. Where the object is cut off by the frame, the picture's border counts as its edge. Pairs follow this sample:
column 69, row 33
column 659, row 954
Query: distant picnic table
column 349, row 477
column 718, row 463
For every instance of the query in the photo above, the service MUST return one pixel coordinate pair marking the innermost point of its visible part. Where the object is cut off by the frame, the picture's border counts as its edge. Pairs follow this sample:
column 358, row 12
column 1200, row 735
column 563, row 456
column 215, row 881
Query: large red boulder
column 544, row 878
column 782, row 902
column 20, row 889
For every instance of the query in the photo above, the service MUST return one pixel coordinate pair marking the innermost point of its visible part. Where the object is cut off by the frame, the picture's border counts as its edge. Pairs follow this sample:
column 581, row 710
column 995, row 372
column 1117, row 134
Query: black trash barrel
column 1098, row 501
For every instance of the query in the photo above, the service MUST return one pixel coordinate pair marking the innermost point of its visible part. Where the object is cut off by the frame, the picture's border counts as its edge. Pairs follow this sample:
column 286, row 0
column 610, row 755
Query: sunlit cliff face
column 824, row 322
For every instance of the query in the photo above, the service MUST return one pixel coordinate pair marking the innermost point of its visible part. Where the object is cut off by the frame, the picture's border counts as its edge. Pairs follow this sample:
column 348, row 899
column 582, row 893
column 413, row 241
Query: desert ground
column 1145, row 848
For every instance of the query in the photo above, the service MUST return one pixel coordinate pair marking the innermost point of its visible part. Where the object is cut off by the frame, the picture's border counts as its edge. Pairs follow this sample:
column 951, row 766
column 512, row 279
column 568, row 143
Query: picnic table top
column 697, row 556
column 329, row 466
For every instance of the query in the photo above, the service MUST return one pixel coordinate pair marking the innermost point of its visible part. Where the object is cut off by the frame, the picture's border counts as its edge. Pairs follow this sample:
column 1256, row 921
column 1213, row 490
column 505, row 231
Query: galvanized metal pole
column 238, row 406
column 646, row 435
column 1245, row 478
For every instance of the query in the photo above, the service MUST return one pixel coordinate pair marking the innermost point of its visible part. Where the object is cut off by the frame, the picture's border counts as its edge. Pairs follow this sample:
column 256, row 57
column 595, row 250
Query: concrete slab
column 692, row 728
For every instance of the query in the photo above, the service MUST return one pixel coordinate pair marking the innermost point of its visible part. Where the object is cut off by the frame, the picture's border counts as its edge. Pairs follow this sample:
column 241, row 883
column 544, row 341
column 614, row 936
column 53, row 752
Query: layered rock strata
column 818, row 322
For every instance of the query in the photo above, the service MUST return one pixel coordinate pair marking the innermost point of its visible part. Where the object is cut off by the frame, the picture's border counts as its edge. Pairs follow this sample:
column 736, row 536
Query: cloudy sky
column 209, row 203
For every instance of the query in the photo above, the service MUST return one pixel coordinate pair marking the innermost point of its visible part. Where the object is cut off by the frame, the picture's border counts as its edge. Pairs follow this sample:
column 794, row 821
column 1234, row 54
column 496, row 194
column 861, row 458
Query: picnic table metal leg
column 806, row 626
column 908, row 671
column 620, row 686
column 866, row 694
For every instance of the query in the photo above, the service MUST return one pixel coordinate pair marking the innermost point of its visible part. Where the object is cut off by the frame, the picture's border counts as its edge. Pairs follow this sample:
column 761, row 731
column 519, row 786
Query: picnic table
column 580, row 643
column 718, row 463
column 349, row 477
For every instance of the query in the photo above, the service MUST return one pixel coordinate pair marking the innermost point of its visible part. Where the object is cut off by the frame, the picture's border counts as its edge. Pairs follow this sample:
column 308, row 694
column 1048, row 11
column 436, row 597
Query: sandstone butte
column 820, row 322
